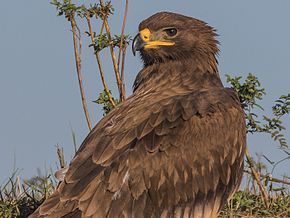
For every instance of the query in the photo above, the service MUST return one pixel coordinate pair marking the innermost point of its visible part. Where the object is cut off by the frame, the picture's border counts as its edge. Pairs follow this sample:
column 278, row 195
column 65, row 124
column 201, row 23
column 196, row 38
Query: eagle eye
column 171, row 31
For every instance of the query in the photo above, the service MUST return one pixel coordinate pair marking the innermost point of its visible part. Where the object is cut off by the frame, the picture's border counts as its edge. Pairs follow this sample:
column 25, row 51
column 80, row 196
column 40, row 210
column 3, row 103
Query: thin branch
column 19, row 185
column 256, row 177
column 79, row 37
column 97, row 55
column 60, row 155
column 114, row 60
column 278, row 162
column 78, row 67
column 122, row 51
column 123, row 31
column 102, row 28
column 270, row 178
column 123, row 67
column 113, row 56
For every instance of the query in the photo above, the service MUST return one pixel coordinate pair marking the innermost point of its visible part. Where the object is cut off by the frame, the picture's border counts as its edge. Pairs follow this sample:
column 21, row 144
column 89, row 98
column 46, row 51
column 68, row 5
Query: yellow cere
column 145, row 35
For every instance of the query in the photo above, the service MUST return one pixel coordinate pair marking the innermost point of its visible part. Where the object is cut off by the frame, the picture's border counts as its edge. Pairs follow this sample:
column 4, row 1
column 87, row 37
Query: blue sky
column 39, row 94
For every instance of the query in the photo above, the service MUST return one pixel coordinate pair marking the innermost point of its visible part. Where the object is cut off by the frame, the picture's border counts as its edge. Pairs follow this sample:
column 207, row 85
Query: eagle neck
column 189, row 74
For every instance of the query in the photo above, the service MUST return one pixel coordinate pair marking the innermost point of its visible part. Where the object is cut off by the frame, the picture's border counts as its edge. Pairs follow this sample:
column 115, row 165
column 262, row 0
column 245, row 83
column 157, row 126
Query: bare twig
column 256, row 177
column 113, row 56
column 60, row 155
column 19, row 185
column 277, row 163
column 97, row 55
column 76, row 39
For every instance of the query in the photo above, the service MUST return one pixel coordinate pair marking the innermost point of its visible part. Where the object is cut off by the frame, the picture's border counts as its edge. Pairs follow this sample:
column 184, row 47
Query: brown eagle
column 174, row 148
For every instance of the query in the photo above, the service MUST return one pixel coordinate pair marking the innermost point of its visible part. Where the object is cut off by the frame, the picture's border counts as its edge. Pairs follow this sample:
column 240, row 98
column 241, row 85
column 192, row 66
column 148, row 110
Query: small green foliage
column 105, row 101
column 102, row 41
column 282, row 106
column 116, row 41
column 100, row 11
column 245, row 204
column 250, row 92
column 67, row 8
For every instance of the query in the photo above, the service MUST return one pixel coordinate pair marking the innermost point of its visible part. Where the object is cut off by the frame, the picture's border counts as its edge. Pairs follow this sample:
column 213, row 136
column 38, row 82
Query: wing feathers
column 172, row 157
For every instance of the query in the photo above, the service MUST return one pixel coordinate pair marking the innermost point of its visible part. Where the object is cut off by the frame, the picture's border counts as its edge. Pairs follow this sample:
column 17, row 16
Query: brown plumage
column 174, row 148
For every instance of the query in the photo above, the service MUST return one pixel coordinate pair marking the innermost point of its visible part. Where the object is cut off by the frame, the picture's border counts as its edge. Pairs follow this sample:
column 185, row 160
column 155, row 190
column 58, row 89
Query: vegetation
column 262, row 196
column 21, row 198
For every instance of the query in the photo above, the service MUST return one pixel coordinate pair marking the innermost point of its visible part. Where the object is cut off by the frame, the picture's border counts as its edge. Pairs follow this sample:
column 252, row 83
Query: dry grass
column 21, row 198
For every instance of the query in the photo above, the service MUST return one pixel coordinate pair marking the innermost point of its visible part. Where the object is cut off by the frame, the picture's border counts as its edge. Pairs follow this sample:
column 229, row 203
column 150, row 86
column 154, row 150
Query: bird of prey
column 174, row 148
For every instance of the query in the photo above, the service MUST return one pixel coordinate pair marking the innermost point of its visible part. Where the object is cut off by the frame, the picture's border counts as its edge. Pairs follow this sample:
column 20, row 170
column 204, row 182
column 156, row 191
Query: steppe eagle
column 174, row 148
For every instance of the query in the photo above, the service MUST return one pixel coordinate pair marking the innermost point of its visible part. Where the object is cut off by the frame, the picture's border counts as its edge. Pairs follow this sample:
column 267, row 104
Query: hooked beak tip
column 137, row 44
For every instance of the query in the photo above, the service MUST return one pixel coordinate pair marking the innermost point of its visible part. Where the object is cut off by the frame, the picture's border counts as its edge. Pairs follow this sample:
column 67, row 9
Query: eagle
column 174, row 148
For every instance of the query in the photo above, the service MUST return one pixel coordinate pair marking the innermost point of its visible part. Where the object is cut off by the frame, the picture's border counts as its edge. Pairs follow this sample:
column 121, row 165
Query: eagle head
column 169, row 36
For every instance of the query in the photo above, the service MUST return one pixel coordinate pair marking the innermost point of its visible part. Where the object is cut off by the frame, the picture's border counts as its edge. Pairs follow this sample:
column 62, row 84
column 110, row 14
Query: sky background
column 40, row 103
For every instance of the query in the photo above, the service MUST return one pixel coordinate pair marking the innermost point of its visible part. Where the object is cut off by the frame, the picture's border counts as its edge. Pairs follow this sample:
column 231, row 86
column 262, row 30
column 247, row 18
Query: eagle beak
column 137, row 44
column 143, row 40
